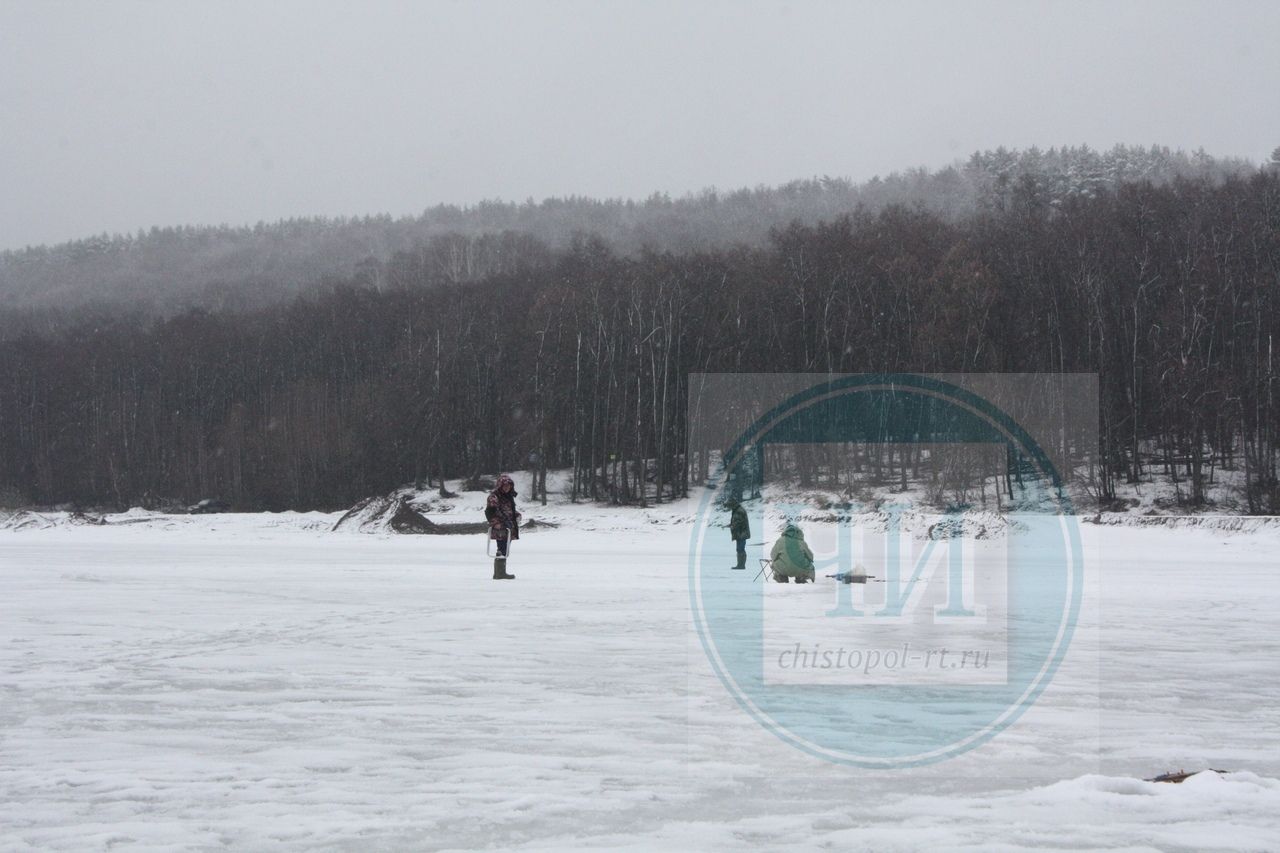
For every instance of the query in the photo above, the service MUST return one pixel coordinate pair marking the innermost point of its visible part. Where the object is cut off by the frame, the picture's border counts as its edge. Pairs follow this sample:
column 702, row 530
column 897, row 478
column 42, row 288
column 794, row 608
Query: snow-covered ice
column 254, row 681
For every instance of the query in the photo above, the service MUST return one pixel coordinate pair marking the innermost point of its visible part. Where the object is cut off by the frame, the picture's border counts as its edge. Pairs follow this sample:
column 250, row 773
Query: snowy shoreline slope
column 187, row 682
column 1147, row 505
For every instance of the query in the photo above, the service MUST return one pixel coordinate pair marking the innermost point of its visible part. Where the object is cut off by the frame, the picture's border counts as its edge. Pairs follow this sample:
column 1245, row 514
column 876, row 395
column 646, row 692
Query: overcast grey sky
column 120, row 115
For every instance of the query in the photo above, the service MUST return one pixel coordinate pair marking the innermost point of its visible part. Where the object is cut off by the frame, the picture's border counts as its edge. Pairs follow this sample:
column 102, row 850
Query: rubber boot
column 777, row 578
column 742, row 562
column 500, row 570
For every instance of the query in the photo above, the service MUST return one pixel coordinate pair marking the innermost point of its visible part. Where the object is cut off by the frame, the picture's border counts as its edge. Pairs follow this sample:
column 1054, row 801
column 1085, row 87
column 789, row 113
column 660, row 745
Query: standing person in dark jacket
column 504, row 523
column 739, row 530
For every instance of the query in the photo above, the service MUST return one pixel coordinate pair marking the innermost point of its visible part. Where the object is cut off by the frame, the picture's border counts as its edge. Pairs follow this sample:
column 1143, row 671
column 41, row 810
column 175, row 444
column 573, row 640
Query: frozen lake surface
column 248, row 683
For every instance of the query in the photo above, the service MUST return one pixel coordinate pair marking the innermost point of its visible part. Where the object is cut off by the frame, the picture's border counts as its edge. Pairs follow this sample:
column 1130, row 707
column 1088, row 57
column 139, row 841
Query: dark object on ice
column 851, row 577
column 1182, row 775
column 209, row 505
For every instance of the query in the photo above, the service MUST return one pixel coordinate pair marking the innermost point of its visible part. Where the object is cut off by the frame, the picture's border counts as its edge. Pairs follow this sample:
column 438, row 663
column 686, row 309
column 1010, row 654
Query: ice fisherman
column 504, row 523
column 791, row 557
column 739, row 530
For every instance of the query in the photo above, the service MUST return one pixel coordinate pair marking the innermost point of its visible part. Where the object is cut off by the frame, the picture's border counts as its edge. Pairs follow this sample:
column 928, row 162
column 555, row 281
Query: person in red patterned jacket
column 504, row 523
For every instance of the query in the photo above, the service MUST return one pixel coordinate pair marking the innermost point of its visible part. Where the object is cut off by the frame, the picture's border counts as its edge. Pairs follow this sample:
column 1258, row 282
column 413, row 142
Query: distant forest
column 166, row 270
column 312, row 363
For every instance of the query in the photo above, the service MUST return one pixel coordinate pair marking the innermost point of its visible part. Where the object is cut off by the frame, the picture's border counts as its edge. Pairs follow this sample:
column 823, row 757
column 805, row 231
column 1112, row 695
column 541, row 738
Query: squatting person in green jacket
column 740, row 530
column 791, row 557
